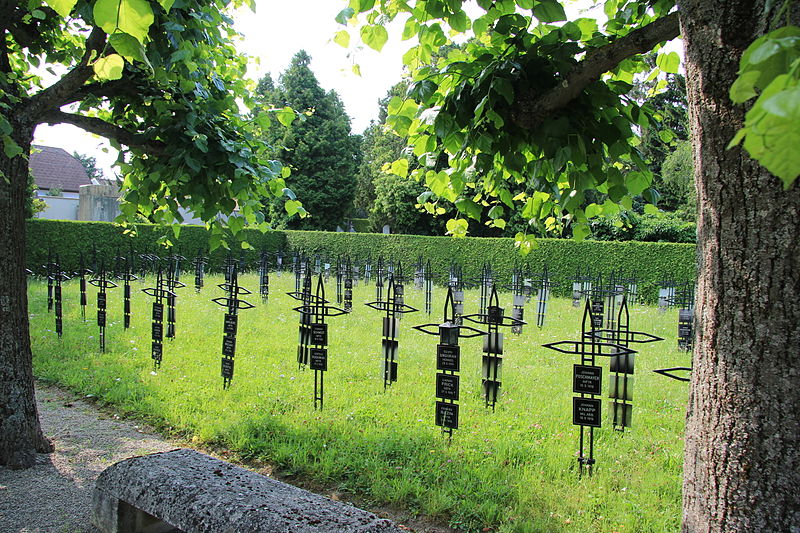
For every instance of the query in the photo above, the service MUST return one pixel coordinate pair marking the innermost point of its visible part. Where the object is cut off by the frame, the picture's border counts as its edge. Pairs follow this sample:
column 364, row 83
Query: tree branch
column 61, row 91
column 107, row 130
column 532, row 108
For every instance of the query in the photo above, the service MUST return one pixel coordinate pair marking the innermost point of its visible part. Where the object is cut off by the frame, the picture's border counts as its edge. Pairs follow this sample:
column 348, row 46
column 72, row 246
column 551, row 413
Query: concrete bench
column 187, row 491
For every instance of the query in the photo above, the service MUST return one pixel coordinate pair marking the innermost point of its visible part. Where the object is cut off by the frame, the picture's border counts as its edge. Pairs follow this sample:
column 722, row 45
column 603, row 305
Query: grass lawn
column 510, row 470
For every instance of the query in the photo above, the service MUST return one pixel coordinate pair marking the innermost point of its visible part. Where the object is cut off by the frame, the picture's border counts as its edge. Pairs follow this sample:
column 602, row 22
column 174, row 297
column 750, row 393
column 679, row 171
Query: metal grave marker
column 348, row 286
column 125, row 274
column 233, row 305
column 492, row 361
column 263, row 276
column 172, row 283
column 102, row 283
column 81, row 273
column 58, row 276
column 304, row 296
column 316, row 309
column 394, row 306
column 448, row 364
column 587, row 381
column 622, row 366
column 160, row 293
column 518, row 299
column 428, row 276
column 199, row 263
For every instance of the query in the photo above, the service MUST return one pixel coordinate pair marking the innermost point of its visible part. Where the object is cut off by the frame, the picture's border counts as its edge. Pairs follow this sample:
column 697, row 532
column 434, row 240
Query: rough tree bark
column 20, row 433
column 742, row 458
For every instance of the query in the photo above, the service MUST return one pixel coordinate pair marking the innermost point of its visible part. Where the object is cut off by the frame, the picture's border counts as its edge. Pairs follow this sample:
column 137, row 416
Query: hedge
column 648, row 261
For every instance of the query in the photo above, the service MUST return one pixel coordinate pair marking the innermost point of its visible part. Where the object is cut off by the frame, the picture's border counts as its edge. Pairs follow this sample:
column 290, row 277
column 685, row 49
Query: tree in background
column 544, row 103
column 89, row 164
column 163, row 82
column 320, row 149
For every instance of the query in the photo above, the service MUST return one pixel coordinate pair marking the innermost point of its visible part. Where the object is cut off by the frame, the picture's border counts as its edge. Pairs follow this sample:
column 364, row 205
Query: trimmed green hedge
column 649, row 262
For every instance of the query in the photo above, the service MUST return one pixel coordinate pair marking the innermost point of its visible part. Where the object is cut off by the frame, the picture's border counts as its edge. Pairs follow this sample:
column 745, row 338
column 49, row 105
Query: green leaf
column 580, row 231
column 457, row 227
column 549, row 11
column 503, row 87
column 133, row 17
column 470, row 208
column 286, row 116
column 167, row 4
column 496, row 212
column 109, row 67
column 743, row 89
column 342, row 38
column 400, row 168
column 668, row 62
column 10, row 147
column 593, row 210
column 374, row 36
column 650, row 209
column 345, row 15
column 128, row 47
column 292, row 207
column 459, row 21
column 62, row 7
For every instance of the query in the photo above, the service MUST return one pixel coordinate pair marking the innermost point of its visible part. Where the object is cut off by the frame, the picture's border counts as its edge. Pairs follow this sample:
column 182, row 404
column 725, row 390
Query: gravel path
column 55, row 496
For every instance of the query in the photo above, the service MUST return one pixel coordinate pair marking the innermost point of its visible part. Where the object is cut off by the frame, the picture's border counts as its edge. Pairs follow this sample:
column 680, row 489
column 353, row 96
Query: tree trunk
column 742, row 459
column 20, row 433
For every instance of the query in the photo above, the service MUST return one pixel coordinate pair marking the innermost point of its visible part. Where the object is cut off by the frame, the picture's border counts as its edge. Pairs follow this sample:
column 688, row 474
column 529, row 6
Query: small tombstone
column 386, row 229
column 233, row 305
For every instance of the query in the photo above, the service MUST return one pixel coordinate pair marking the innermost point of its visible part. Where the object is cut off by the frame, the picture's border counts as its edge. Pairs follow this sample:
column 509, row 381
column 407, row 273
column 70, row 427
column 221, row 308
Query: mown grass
column 510, row 470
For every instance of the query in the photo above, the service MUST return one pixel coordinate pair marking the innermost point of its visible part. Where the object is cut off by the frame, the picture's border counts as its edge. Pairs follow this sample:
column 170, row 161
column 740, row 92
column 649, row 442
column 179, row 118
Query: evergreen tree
column 322, row 153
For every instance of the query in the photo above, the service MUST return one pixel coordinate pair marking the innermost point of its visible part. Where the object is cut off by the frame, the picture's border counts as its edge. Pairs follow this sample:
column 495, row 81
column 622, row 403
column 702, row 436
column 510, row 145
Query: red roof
column 54, row 168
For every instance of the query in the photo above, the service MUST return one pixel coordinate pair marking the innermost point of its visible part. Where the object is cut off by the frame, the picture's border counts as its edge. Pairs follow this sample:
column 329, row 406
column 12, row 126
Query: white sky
column 271, row 41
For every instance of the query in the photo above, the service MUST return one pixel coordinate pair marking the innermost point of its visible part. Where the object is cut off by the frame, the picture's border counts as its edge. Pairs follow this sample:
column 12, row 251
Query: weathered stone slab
column 187, row 491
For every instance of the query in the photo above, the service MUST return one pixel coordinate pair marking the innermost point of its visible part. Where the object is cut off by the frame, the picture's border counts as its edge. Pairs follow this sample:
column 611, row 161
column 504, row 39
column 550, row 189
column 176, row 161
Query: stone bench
column 187, row 491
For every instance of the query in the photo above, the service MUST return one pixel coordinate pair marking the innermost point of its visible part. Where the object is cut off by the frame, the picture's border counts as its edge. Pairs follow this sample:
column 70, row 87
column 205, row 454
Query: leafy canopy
column 482, row 106
column 164, row 82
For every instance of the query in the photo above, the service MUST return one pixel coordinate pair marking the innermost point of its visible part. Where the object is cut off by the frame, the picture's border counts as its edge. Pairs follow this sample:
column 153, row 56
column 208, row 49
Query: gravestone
column 393, row 306
column 448, row 364
column 233, row 305
column 492, row 360
column 103, row 284
column 160, row 292
column 315, row 310
column 199, row 263
column 587, row 382
column 58, row 276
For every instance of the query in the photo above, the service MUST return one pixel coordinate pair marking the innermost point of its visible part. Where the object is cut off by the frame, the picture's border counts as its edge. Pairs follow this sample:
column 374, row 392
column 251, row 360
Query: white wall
column 59, row 208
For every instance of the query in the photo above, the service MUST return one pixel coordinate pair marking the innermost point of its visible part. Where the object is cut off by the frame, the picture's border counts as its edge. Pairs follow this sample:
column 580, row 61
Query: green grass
column 511, row 470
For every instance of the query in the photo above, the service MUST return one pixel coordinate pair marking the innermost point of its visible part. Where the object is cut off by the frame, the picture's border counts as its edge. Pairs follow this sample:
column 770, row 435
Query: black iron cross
column 159, row 292
column 48, row 268
column 263, row 276
column 394, row 306
column 622, row 366
column 448, row 363
column 304, row 296
column 199, row 263
column 492, row 362
column 315, row 309
column 125, row 274
column 172, row 283
column 102, row 283
column 428, row 276
column 57, row 275
column 379, row 276
column 543, row 286
column 587, row 380
column 457, row 284
column 349, row 280
column 82, row 271
column 233, row 304
column 518, row 299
